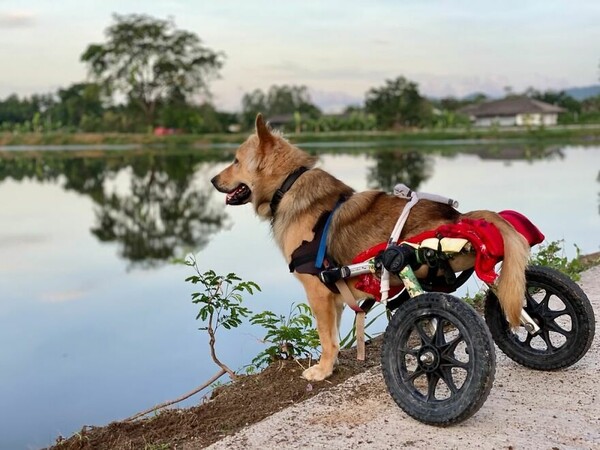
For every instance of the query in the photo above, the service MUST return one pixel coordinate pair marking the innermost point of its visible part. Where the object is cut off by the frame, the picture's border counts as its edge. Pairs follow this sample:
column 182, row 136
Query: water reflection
column 156, row 211
column 132, row 335
column 156, row 205
column 392, row 167
column 521, row 152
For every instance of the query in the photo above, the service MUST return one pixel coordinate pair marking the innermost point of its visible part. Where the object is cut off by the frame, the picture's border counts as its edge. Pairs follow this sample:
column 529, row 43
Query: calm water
column 96, row 324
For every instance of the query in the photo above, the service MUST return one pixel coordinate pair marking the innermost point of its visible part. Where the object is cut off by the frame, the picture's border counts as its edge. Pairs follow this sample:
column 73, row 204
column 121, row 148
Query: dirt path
column 526, row 410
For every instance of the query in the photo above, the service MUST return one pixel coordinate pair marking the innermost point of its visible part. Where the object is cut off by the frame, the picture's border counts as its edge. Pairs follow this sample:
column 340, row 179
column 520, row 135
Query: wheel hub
column 428, row 358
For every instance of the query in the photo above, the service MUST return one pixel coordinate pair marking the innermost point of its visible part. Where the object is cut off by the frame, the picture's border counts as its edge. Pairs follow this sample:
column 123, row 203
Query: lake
column 96, row 322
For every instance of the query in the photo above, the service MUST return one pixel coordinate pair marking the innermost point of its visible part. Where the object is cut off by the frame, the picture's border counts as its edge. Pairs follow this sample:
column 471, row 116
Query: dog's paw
column 316, row 373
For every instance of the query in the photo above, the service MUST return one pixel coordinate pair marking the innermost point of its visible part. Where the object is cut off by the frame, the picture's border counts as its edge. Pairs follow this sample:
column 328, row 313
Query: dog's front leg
column 326, row 312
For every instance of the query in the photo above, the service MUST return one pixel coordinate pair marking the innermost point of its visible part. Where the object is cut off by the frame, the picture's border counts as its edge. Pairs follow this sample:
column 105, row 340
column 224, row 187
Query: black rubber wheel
column 438, row 359
column 562, row 311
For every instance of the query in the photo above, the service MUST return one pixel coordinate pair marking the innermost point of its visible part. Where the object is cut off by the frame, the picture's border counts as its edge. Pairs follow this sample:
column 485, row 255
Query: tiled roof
column 510, row 107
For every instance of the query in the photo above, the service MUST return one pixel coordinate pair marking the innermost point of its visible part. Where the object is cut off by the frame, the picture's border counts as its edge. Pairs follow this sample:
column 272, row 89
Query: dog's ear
column 262, row 131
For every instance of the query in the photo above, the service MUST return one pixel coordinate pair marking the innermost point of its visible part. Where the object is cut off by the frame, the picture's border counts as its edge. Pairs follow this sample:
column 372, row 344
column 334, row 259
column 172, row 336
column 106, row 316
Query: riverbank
column 274, row 400
column 565, row 134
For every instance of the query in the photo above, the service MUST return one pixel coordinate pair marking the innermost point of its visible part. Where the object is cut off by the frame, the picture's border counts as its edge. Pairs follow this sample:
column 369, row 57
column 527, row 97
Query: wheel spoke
column 552, row 314
column 531, row 303
column 446, row 375
column 408, row 351
column 450, row 347
column 542, row 306
column 439, row 337
column 528, row 339
column 450, row 361
column 553, row 326
column 432, row 382
column 416, row 374
column 545, row 335
column 424, row 338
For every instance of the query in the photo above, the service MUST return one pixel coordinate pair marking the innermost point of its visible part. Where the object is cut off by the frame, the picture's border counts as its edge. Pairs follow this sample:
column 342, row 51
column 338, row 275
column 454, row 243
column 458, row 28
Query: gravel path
column 526, row 409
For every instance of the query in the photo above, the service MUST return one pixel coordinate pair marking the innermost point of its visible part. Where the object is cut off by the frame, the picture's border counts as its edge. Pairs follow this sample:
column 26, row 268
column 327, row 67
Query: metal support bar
column 530, row 325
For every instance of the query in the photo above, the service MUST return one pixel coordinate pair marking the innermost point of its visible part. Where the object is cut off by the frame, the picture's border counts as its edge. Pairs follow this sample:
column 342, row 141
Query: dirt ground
column 231, row 408
column 279, row 409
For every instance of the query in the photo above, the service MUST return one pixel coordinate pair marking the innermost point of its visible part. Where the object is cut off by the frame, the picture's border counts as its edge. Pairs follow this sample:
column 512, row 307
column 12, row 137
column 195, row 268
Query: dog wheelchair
column 438, row 356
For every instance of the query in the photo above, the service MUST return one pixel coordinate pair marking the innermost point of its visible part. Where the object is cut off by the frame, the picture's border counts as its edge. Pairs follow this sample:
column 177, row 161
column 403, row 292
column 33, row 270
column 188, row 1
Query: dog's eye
column 236, row 161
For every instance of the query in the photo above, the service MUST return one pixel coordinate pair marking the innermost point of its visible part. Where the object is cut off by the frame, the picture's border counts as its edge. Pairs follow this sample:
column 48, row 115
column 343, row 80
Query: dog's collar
column 287, row 184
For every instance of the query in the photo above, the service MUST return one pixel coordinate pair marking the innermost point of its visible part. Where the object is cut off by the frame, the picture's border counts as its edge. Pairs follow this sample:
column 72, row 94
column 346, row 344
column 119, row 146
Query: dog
column 260, row 174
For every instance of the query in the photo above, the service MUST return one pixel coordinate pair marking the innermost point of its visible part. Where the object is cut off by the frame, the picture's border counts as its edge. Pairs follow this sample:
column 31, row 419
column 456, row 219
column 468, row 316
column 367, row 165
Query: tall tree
column 283, row 99
column 398, row 104
column 148, row 60
column 253, row 103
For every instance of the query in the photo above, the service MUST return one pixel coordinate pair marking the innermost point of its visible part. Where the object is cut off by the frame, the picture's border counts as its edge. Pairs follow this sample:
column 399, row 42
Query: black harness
column 287, row 184
column 310, row 257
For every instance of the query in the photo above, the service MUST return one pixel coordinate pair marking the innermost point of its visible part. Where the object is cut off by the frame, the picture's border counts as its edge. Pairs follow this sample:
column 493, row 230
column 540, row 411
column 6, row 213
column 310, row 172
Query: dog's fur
column 265, row 160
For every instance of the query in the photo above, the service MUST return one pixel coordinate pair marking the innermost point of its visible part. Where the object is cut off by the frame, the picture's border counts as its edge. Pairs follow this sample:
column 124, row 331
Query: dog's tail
column 510, row 287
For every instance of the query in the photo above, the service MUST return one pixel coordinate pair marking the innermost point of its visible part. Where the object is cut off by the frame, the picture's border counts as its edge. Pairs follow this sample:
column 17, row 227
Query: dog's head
column 260, row 166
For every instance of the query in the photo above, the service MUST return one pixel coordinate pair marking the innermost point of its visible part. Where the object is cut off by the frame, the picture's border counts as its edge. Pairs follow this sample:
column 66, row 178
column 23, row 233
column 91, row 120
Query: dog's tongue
column 233, row 197
column 230, row 197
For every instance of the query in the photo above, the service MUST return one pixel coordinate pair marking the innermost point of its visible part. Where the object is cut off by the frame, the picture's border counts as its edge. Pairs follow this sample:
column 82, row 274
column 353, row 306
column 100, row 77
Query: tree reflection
column 164, row 213
column 153, row 206
column 398, row 166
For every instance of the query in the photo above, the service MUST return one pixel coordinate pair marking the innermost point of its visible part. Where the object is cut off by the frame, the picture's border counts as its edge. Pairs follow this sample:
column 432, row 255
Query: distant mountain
column 581, row 93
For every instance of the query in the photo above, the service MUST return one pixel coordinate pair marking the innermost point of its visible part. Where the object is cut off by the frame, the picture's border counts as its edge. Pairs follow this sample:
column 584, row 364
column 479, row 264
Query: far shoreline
column 580, row 134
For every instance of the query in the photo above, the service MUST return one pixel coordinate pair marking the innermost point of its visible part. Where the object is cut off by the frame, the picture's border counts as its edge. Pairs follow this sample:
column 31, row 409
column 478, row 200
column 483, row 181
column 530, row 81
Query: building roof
column 511, row 107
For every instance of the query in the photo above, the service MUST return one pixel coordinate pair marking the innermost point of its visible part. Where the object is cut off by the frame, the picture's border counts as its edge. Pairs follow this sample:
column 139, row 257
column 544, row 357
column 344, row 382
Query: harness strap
column 323, row 241
column 360, row 317
column 287, row 184
column 402, row 191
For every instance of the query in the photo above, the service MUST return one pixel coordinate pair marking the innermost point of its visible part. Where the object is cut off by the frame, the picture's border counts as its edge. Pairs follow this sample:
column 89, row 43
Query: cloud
column 62, row 296
column 16, row 19
column 23, row 238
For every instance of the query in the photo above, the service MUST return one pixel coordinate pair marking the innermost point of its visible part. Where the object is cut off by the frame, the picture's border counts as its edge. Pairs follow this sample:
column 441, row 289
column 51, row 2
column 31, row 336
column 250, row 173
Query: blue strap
column 323, row 243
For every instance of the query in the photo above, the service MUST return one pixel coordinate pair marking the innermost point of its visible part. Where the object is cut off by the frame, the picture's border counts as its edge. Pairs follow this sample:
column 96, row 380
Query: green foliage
column 398, row 104
column 220, row 298
column 149, row 60
column 353, row 119
column 290, row 336
column 552, row 255
column 148, row 446
column 476, row 301
column 278, row 100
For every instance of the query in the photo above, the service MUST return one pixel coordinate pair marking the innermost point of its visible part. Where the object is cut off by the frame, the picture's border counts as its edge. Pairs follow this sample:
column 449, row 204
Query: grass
column 558, row 133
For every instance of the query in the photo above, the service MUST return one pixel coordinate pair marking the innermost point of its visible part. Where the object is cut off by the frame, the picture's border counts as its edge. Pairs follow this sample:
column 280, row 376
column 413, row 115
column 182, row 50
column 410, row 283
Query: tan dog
column 263, row 163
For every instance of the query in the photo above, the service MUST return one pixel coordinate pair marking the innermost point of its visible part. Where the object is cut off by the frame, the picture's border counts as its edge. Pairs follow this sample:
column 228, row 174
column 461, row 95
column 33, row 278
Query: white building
column 513, row 111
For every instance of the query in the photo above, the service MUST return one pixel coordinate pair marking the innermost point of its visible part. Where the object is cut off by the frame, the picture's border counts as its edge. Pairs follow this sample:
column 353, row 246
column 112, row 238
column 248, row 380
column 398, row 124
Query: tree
column 398, row 104
column 78, row 102
column 278, row 100
column 558, row 98
column 149, row 60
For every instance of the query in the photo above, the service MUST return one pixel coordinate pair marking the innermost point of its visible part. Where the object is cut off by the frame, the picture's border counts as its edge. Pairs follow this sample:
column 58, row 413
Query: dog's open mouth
column 239, row 195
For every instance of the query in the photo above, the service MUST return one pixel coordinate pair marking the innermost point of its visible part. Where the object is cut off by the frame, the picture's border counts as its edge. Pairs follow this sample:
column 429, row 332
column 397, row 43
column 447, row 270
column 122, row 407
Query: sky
column 338, row 49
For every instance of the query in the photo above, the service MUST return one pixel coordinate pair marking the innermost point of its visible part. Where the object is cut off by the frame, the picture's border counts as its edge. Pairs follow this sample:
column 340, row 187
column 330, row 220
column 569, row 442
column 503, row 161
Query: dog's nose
column 215, row 181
